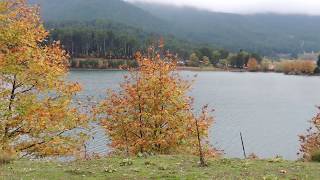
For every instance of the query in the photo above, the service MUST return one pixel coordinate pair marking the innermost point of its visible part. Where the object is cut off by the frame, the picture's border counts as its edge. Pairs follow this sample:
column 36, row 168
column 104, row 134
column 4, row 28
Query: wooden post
column 85, row 152
column 243, row 148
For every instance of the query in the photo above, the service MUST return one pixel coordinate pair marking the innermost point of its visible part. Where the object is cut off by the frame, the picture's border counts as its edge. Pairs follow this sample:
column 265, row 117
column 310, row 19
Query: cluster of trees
column 207, row 56
column 250, row 61
column 296, row 66
column 241, row 59
column 109, row 40
column 97, row 38
column 221, row 58
column 98, row 63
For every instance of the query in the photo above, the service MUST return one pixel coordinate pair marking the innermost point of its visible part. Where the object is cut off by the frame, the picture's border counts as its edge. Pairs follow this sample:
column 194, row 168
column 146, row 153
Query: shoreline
column 179, row 68
column 199, row 69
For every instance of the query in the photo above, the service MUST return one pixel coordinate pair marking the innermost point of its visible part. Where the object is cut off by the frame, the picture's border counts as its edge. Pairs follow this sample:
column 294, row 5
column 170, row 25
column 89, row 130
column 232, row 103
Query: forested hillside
column 266, row 34
column 106, row 39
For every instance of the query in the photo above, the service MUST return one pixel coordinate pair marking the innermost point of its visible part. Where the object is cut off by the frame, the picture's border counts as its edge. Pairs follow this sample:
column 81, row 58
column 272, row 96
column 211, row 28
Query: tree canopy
column 152, row 112
column 36, row 108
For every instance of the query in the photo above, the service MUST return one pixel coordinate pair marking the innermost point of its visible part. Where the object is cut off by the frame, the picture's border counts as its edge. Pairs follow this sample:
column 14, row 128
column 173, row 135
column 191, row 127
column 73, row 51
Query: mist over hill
column 262, row 33
column 88, row 10
column 267, row 34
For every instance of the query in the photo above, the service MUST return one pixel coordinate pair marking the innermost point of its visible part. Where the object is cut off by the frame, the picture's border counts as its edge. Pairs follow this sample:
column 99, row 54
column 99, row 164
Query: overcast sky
column 311, row 7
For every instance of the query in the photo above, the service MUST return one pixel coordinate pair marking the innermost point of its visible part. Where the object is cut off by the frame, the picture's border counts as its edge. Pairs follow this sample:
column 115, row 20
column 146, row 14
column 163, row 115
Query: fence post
column 243, row 148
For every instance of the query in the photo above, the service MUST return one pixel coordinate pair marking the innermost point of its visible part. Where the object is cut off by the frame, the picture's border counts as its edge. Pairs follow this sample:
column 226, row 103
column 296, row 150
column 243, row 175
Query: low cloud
column 310, row 7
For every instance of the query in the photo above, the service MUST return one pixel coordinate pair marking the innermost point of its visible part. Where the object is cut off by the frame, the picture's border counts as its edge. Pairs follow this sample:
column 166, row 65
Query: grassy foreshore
column 160, row 167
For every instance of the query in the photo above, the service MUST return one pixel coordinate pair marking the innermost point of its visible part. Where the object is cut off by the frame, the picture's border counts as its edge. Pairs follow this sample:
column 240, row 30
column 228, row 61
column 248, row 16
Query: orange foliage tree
column 252, row 64
column 152, row 113
column 310, row 143
column 36, row 108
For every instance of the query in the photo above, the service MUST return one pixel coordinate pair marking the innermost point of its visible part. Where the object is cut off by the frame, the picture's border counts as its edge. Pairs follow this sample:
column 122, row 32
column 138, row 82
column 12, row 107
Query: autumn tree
column 205, row 61
column 36, row 109
column 310, row 143
column 152, row 112
column 202, row 124
column 252, row 64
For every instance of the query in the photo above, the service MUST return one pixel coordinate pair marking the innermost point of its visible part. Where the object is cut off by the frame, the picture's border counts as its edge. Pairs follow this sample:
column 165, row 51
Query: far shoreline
column 199, row 69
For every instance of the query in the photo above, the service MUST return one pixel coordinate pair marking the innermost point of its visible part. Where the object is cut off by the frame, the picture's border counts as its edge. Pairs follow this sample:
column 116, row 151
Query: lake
column 270, row 109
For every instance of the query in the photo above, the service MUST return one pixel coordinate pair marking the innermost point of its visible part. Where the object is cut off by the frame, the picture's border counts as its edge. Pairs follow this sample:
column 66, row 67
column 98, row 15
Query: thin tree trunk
column 201, row 155
column 12, row 97
column 140, row 114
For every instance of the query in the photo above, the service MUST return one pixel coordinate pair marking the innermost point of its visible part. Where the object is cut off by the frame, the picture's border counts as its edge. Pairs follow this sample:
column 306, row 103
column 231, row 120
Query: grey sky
column 311, row 7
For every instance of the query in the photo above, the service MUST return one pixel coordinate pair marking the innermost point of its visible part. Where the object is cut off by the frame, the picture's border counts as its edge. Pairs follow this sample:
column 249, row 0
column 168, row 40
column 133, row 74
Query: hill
column 87, row 10
column 262, row 33
column 266, row 34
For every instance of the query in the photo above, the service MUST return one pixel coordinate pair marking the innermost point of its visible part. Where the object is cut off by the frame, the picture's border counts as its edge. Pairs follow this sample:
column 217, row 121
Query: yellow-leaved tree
column 252, row 64
column 36, row 110
column 310, row 142
column 152, row 112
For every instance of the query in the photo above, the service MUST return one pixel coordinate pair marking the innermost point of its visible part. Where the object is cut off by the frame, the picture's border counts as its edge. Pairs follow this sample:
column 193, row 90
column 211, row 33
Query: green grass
column 160, row 167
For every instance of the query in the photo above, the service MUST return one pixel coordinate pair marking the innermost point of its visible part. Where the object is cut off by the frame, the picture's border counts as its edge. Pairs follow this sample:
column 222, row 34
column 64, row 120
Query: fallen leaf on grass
column 110, row 169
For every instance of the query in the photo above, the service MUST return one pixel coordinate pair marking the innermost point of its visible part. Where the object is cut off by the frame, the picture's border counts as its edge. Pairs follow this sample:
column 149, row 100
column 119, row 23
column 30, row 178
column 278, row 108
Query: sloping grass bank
column 160, row 167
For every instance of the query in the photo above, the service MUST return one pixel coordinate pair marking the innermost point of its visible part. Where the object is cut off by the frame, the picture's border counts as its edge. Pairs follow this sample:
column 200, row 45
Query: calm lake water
column 270, row 109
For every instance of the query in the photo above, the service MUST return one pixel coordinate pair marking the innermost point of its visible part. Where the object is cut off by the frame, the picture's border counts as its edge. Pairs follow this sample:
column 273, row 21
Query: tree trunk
column 201, row 155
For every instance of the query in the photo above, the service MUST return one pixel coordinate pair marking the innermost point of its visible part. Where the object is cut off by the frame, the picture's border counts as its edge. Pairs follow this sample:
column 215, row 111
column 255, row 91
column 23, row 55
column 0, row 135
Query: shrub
column 6, row 156
column 315, row 156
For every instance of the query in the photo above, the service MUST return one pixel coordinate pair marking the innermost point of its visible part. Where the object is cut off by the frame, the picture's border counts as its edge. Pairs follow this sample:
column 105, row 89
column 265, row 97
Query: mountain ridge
column 267, row 34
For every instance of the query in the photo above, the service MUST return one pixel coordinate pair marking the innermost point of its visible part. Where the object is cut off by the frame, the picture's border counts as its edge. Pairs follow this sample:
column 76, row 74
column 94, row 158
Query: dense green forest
column 266, row 34
column 106, row 39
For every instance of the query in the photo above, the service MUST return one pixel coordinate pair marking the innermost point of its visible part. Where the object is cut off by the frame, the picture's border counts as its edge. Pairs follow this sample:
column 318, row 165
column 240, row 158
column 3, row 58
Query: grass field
column 160, row 167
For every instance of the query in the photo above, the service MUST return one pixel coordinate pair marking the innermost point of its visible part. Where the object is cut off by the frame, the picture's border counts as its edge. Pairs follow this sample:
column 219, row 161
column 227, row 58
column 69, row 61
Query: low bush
column 6, row 157
column 315, row 157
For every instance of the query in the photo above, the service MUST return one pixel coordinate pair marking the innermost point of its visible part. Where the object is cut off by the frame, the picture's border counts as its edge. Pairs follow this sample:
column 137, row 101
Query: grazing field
column 161, row 167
